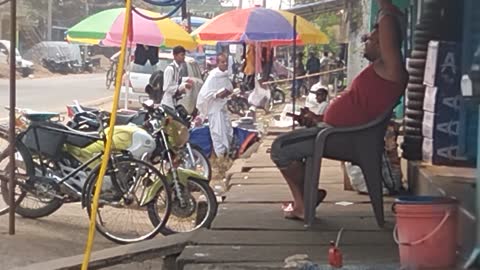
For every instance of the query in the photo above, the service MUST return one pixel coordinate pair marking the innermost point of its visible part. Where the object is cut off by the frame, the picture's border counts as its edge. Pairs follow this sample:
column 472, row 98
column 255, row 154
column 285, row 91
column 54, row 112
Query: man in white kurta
column 211, row 103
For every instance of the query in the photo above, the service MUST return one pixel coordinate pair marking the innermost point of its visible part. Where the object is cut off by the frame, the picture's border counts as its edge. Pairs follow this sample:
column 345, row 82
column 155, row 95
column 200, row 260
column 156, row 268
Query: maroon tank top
column 369, row 97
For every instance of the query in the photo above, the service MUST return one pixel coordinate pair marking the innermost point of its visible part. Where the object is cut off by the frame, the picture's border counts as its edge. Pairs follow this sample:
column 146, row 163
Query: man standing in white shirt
column 171, row 78
column 211, row 103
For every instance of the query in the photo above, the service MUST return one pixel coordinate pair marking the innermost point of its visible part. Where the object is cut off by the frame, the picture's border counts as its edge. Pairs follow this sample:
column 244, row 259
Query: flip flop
column 320, row 197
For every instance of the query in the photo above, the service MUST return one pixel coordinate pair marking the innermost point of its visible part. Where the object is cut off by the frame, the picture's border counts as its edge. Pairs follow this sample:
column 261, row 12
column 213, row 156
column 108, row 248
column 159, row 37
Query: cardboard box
column 441, row 125
column 448, row 154
column 443, row 65
column 436, row 100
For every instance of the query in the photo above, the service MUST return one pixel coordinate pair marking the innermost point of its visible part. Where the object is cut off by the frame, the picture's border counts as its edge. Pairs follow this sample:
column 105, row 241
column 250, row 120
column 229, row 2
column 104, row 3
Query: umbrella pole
column 13, row 70
column 294, row 60
column 127, row 75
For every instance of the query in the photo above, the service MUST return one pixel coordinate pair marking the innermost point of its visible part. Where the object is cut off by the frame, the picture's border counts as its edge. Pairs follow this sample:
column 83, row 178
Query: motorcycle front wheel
column 201, row 163
column 198, row 210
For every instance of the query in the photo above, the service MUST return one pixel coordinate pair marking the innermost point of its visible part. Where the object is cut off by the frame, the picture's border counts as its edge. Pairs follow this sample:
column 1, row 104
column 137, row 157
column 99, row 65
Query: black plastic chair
column 363, row 146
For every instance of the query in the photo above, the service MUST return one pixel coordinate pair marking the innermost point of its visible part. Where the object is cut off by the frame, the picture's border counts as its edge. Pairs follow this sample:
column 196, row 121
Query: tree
column 327, row 23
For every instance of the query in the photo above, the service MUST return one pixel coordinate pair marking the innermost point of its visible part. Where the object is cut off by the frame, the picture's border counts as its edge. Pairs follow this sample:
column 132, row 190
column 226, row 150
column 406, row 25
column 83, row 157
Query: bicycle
column 111, row 74
column 50, row 172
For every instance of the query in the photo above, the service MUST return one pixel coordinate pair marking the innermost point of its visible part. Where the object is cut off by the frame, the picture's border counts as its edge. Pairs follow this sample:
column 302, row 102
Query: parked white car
column 23, row 66
column 139, row 76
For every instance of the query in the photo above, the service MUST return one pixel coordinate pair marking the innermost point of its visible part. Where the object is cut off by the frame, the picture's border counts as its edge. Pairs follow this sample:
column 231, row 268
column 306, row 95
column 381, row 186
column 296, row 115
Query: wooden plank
column 281, row 193
column 270, row 217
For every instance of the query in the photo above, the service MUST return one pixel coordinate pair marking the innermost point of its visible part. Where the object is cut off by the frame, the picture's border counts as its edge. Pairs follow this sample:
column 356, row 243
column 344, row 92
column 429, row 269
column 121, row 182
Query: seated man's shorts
column 294, row 146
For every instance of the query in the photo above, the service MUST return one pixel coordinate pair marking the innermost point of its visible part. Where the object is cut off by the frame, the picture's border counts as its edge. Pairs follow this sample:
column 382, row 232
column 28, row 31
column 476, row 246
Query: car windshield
column 148, row 68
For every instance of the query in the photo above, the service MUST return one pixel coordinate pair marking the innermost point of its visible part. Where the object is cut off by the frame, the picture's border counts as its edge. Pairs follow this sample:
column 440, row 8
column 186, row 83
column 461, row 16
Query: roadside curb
column 100, row 101
column 150, row 249
column 93, row 103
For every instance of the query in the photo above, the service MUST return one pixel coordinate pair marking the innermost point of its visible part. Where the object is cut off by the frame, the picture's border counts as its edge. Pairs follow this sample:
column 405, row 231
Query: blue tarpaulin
column 201, row 137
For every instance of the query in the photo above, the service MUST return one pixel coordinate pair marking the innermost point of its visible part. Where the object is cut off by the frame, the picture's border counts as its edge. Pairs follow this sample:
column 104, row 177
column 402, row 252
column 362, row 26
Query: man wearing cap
column 316, row 101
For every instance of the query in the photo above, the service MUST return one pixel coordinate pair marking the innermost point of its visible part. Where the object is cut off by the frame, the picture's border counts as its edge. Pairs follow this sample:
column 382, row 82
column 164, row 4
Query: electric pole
column 240, row 4
column 49, row 20
column 186, row 17
column 264, row 3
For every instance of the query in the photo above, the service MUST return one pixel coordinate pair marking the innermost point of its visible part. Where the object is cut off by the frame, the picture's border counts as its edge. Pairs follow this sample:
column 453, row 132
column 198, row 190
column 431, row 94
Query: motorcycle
column 238, row 101
column 193, row 158
column 56, row 165
column 194, row 203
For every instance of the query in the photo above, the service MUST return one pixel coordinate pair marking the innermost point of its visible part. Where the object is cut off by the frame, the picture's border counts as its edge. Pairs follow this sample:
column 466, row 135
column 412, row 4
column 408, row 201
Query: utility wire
column 177, row 4
column 4, row 2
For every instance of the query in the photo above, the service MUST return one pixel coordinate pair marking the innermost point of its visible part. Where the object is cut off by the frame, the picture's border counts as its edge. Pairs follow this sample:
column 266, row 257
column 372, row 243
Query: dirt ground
column 41, row 72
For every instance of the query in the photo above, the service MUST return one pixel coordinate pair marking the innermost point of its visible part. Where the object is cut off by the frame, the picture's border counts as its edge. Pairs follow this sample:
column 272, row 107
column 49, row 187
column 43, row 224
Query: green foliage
column 326, row 22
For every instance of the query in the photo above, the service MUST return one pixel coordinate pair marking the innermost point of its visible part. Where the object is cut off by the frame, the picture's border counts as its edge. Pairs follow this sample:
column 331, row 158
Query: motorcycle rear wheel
column 120, row 216
column 29, row 204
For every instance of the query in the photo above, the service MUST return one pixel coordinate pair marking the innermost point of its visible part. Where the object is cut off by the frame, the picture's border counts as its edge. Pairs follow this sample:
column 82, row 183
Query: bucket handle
column 421, row 240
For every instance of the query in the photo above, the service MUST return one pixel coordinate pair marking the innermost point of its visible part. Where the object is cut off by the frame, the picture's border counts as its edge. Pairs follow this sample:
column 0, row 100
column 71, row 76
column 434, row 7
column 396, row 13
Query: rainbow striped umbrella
column 106, row 28
column 259, row 24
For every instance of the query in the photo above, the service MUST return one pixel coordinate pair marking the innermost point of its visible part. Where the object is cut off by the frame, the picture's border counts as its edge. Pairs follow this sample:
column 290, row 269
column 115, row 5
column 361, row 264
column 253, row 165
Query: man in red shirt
column 376, row 89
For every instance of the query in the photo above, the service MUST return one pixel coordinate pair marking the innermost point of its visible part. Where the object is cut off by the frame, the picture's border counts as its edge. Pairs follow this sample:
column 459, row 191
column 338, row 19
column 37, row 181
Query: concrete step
column 281, row 266
column 293, row 238
column 202, row 254
column 122, row 255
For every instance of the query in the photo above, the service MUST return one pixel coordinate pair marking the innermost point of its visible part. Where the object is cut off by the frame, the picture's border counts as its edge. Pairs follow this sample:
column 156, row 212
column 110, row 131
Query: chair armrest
column 324, row 133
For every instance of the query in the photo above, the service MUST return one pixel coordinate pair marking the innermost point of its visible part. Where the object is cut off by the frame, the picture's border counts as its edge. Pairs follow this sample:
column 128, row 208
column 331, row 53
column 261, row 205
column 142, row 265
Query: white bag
column 392, row 182
column 259, row 96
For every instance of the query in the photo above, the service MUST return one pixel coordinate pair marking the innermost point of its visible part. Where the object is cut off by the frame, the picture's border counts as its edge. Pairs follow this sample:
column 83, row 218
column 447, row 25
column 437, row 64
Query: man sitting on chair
column 376, row 89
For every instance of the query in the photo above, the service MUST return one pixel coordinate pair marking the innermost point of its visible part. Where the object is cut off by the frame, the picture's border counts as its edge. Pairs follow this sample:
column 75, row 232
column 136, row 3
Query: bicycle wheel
column 121, row 217
column 4, row 167
column 199, row 210
column 201, row 165
column 109, row 77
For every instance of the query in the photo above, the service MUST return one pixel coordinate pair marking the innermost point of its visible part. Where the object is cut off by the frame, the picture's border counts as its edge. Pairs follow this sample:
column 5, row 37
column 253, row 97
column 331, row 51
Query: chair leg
column 372, row 171
column 310, row 190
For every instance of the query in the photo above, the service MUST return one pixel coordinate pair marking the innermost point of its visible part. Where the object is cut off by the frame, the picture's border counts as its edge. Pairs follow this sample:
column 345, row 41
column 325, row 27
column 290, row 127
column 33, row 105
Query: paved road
column 52, row 94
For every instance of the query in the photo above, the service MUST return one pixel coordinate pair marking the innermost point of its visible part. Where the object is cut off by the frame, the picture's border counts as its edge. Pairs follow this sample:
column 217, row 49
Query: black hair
column 222, row 55
column 178, row 50
column 325, row 54
column 322, row 91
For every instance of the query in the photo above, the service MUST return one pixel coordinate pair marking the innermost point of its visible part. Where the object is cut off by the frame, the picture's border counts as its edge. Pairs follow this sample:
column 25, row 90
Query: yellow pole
column 108, row 145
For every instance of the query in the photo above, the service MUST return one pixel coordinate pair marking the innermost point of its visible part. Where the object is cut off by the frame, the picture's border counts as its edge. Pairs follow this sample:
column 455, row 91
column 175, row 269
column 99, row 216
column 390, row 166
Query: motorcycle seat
column 124, row 119
column 35, row 116
column 127, row 118
column 80, row 138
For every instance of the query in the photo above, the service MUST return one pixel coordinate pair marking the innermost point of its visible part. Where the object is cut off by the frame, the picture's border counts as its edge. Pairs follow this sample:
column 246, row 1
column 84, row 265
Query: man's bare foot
column 289, row 211
column 294, row 214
